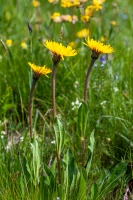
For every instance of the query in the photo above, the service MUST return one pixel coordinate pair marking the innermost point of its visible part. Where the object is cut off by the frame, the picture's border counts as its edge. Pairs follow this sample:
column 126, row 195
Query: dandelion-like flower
column 83, row 33
column 36, row 4
column 9, row 43
column 59, row 51
column 53, row 1
column 113, row 23
column 69, row 3
column 24, row 45
column 98, row 47
column 98, row 4
column 38, row 70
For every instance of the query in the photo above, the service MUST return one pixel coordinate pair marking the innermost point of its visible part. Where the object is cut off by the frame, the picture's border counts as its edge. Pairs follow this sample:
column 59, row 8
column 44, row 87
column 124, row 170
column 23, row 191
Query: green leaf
column 94, row 191
column 82, row 189
column 59, row 134
column 91, row 147
column 111, row 181
column 82, row 119
column 70, row 166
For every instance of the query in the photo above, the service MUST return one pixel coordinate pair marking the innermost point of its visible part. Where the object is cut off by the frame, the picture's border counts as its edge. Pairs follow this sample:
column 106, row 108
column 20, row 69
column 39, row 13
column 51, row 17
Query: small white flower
column 21, row 139
column 116, row 89
column 76, row 104
column 76, row 84
column 53, row 142
column 103, row 102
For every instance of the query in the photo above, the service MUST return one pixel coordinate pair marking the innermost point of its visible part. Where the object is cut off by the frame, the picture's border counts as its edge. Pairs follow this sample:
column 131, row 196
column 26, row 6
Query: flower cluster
column 57, row 18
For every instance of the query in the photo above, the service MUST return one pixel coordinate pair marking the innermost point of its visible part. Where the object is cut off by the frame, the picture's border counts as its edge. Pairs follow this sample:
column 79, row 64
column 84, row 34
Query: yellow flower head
column 89, row 10
column 85, row 18
column 59, row 51
column 69, row 3
column 53, row 1
column 83, row 33
column 36, row 4
column 113, row 23
column 9, row 43
column 98, row 47
column 55, row 14
column 98, row 4
column 24, row 45
column 39, row 71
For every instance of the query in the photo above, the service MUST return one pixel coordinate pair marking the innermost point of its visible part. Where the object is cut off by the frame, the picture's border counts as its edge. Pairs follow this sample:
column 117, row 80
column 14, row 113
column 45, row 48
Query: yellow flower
column 36, row 4
column 103, row 39
column 53, row 1
column 98, row 4
column 89, row 10
column 85, row 18
column 9, row 43
column 98, row 47
column 24, row 45
column 55, row 14
column 113, row 23
column 59, row 51
column 83, row 33
column 69, row 3
column 38, row 70
column 72, row 44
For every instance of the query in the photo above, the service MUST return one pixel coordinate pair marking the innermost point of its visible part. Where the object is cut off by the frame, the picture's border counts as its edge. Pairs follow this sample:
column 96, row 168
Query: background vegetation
column 28, row 169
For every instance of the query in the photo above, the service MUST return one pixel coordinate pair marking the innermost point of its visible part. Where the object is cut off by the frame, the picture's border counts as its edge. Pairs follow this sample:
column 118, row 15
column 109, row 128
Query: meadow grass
column 29, row 167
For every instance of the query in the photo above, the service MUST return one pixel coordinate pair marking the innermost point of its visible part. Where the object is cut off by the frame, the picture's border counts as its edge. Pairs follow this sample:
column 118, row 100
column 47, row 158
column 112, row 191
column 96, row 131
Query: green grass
column 29, row 168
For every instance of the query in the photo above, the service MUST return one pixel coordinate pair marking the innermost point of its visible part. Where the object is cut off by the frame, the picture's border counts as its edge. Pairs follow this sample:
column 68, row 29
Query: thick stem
column 53, row 90
column 87, row 79
column 83, row 151
column 30, row 105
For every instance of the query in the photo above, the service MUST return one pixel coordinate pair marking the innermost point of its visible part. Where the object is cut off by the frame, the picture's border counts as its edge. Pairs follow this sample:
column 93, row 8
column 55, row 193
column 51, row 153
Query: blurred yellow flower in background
column 70, row 3
column 98, row 4
column 53, row 1
column 113, row 23
column 9, row 43
column 36, row 4
column 24, row 45
column 83, row 33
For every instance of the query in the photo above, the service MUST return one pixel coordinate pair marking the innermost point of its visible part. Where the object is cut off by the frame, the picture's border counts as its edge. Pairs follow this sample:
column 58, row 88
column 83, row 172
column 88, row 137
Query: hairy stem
column 30, row 105
column 53, row 90
column 87, row 79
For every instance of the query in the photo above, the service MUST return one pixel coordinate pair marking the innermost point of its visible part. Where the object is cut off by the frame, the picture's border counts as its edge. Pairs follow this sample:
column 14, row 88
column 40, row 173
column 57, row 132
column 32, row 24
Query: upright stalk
column 53, row 89
column 83, row 151
column 54, row 115
column 34, row 80
column 85, row 100
column 87, row 78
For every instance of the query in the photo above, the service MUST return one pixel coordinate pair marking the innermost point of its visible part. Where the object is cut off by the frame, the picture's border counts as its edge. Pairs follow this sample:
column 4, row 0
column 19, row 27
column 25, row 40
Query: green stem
column 30, row 105
column 83, row 151
column 53, row 90
column 59, row 167
column 87, row 79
